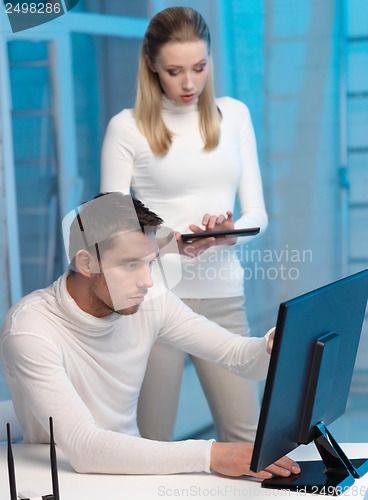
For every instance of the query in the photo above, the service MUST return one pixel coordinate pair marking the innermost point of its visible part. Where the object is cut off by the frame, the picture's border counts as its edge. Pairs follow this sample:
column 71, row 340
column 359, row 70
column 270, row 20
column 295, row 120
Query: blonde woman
column 187, row 155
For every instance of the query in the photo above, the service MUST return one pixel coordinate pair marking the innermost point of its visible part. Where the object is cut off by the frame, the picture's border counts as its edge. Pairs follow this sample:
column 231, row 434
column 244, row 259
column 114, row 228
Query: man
column 77, row 351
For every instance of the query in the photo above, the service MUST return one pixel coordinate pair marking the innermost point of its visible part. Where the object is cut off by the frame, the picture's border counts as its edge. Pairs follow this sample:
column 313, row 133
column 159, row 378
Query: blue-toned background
column 302, row 68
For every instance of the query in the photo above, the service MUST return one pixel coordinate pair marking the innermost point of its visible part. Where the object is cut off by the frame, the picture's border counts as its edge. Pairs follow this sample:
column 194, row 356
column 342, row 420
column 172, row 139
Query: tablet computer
column 250, row 231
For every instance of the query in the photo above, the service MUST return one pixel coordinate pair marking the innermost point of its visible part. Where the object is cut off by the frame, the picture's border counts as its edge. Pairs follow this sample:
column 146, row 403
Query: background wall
column 302, row 155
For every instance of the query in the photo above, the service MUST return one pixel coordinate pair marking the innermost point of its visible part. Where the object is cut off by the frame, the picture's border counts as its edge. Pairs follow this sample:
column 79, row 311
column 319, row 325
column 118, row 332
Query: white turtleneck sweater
column 188, row 182
column 86, row 373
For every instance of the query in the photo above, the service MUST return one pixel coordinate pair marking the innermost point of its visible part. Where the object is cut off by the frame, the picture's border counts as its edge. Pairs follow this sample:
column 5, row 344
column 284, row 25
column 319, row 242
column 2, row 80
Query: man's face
column 126, row 274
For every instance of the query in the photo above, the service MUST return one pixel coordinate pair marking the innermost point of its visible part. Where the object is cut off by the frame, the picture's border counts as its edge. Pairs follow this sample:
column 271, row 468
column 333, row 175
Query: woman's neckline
column 171, row 106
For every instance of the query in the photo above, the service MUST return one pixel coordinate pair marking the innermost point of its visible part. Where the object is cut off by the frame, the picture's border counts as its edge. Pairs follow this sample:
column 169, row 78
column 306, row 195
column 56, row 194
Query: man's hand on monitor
column 233, row 459
column 270, row 336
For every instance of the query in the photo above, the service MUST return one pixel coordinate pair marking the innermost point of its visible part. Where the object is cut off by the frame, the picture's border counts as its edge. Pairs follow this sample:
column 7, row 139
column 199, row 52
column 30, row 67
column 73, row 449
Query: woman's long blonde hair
column 172, row 25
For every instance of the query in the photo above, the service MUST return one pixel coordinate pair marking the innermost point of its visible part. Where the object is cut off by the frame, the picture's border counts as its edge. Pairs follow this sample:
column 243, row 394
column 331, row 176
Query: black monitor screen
column 311, row 367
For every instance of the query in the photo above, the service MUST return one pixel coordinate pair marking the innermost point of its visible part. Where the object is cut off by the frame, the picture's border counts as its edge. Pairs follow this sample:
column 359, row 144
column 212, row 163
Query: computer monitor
column 308, row 382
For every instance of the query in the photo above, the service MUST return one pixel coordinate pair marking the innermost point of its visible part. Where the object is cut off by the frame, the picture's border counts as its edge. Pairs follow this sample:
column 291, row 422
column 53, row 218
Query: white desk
column 33, row 473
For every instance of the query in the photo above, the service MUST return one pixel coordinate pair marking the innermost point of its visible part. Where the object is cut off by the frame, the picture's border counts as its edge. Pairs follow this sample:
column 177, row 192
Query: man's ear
column 86, row 263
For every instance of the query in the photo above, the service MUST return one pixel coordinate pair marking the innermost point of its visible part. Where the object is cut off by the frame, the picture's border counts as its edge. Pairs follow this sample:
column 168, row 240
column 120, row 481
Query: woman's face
column 182, row 69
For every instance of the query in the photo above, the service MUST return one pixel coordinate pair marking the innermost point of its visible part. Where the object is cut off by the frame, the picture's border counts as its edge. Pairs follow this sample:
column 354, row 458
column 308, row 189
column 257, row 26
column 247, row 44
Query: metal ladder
column 38, row 157
column 35, row 163
column 353, row 171
column 11, row 284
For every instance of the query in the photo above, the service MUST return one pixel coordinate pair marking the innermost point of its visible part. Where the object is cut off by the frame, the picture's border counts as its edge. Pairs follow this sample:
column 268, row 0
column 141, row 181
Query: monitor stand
column 330, row 476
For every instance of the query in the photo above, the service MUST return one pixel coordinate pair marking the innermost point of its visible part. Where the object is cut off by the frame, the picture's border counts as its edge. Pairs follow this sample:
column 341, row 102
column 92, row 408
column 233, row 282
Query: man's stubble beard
column 98, row 285
column 128, row 311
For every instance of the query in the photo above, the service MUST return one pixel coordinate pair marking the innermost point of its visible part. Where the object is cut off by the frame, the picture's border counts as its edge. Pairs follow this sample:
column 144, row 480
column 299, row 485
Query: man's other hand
column 233, row 459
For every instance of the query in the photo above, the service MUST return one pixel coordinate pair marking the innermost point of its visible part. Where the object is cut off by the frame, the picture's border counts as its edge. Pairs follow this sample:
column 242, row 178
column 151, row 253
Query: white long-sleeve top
column 187, row 183
column 86, row 373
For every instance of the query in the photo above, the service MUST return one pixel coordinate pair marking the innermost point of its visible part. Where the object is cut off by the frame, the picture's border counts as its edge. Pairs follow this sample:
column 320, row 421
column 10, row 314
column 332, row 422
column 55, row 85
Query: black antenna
column 53, row 460
column 54, row 470
column 11, row 471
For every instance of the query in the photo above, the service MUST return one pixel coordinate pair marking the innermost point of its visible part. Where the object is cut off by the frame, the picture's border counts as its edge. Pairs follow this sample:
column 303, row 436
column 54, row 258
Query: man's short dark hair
column 107, row 215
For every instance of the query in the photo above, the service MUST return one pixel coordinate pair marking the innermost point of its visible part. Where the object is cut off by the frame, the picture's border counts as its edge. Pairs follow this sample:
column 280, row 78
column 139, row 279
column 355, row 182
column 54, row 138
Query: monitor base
column 314, row 479
column 330, row 476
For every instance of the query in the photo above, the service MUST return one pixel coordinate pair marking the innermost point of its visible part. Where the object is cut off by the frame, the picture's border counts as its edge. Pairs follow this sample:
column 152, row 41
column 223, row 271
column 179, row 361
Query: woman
column 187, row 156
